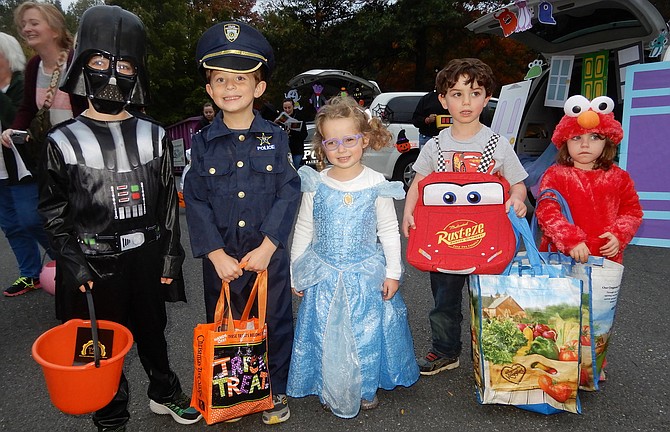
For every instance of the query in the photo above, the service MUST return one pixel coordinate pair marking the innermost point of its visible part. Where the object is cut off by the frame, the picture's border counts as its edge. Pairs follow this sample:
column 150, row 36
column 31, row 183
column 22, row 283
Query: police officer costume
column 242, row 187
column 111, row 205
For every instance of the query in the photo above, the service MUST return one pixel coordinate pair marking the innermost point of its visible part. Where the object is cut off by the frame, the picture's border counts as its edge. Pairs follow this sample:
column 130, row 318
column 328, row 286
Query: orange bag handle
column 259, row 290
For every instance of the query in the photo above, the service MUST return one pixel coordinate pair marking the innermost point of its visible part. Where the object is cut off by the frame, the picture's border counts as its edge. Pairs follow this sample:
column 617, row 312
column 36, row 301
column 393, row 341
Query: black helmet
column 112, row 35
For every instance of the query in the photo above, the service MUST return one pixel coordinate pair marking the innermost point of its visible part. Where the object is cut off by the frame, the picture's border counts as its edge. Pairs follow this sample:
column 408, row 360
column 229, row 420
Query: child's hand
column 407, row 223
column 258, row 259
column 389, row 288
column 580, row 253
column 227, row 267
column 518, row 205
column 166, row 281
column 611, row 248
column 297, row 293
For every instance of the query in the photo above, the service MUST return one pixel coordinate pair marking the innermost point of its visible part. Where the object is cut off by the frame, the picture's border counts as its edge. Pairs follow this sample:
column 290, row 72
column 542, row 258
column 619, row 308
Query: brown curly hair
column 346, row 107
column 474, row 69
column 604, row 162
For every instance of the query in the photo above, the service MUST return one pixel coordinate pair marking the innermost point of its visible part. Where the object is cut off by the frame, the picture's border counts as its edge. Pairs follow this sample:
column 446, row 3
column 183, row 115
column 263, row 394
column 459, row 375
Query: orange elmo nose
column 588, row 119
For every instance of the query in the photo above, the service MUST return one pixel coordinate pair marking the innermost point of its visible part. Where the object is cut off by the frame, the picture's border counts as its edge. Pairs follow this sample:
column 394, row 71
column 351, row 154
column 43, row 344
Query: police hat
column 234, row 47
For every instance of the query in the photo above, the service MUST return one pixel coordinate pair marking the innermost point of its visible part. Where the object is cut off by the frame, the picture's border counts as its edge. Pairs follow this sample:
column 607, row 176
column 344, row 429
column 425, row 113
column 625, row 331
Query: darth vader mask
column 109, row 82
column 109, row 60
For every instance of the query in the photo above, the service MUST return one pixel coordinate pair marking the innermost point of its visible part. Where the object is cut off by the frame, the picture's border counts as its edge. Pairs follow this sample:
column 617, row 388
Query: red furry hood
column 582, row 116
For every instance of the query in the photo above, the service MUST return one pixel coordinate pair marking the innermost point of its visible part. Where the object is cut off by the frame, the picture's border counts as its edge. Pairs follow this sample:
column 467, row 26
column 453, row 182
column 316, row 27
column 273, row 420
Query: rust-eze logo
column 462, row 234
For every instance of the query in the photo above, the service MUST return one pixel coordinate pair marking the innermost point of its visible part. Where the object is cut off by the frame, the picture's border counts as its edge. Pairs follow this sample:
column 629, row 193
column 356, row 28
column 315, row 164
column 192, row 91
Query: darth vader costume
column 110, row 202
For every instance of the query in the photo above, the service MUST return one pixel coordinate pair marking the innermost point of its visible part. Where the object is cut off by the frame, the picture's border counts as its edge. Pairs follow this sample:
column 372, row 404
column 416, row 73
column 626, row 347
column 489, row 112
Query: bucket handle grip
column 94, row 327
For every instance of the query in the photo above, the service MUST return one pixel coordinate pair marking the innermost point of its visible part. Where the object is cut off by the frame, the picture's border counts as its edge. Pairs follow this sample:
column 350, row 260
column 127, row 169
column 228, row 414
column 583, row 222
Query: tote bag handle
column 538, row 264
column 552, row 195
column 259, row 290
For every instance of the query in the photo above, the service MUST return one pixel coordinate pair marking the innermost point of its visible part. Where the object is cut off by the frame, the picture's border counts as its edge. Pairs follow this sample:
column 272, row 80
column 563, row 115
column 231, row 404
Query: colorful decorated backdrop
column 645, row 151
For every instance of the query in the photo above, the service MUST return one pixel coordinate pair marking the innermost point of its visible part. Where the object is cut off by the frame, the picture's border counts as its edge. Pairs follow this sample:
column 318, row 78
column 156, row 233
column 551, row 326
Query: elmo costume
column 600, row 200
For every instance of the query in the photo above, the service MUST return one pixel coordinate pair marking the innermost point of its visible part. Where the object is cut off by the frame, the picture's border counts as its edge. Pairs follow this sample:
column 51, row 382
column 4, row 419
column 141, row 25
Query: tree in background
column 400, row 44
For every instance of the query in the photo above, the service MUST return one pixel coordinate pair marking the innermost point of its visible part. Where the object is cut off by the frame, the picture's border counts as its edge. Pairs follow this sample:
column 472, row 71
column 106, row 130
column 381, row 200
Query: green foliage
column 500, row 340
column 543, row 315
column 398, row 43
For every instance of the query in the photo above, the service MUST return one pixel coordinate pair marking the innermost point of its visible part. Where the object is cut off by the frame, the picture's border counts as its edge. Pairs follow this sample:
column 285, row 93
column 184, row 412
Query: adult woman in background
column 42, row 26
column 15, row 180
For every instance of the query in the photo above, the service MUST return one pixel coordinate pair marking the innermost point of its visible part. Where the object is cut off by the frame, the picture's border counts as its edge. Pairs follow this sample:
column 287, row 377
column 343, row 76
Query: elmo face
column 587, row 117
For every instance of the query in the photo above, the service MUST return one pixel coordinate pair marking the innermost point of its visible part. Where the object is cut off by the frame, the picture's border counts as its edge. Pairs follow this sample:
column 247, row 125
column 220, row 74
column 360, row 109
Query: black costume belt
column 97, row 244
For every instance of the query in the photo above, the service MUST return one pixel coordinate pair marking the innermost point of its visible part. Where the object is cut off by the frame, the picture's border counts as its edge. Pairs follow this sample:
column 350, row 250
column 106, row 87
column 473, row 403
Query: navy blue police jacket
column 240, row 188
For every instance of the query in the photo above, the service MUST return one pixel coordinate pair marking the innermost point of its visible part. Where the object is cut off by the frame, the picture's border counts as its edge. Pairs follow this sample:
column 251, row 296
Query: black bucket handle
column 94, row 327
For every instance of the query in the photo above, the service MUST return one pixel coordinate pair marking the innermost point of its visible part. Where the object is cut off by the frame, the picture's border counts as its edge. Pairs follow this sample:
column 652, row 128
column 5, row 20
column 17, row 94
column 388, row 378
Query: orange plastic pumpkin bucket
column 80, row 389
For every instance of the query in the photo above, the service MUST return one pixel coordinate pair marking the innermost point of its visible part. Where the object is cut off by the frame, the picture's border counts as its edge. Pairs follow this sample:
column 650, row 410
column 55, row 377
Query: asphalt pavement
column 635, row 397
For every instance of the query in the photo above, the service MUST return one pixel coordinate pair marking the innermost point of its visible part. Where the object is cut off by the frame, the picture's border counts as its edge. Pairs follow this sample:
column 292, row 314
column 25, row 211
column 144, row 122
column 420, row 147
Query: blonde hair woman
column 42, row 27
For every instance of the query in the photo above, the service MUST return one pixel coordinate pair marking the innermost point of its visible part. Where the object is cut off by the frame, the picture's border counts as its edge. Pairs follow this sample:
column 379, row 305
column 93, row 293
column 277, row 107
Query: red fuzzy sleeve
column 555, row 227
column 629, row 215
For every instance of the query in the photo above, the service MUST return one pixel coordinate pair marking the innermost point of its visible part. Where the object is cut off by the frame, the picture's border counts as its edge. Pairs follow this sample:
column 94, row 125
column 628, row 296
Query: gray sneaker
column 434, row 363
column 280, row 413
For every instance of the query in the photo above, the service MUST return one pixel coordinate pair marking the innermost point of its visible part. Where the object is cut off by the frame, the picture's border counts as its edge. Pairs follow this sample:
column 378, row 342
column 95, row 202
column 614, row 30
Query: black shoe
column 433, row 364
column 179, row 408
column 22, row 285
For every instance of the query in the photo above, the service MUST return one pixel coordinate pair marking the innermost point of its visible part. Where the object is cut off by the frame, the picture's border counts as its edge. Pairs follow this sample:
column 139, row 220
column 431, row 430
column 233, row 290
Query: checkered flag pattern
column 487, row 155
column 441, row 164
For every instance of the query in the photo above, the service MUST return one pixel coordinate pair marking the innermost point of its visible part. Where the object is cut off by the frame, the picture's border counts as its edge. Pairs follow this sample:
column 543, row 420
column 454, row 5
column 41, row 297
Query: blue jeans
column 297, row 159
column 446, row 317
column 23, row 226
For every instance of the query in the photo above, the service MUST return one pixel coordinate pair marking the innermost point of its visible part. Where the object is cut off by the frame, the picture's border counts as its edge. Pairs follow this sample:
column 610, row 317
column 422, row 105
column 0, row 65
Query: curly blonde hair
column 346, row 107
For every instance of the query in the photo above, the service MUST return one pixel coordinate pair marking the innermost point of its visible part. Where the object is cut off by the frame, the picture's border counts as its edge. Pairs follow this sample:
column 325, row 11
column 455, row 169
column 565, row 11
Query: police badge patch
column 232, row 31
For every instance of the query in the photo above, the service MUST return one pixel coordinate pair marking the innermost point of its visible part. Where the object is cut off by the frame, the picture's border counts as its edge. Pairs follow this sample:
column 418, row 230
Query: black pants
column 133, row 297
column 279, row 316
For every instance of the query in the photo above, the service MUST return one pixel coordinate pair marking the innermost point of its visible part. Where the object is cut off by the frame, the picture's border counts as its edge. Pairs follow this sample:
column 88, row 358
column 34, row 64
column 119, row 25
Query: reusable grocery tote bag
column 231, row 377
column 525, row 334
column 602, row 280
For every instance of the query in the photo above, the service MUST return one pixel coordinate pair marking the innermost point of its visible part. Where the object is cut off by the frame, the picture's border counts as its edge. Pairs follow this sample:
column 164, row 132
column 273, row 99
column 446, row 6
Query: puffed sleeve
column 309, row 179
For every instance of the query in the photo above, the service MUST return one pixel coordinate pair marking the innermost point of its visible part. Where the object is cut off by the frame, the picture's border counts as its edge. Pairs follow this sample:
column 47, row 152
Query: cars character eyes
column 469, row 194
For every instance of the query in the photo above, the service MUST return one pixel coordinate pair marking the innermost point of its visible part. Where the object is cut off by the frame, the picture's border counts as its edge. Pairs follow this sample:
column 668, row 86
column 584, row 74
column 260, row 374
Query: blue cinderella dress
column 348, row 341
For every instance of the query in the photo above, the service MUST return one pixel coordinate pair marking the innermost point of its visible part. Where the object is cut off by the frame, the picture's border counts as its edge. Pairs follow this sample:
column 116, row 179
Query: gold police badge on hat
column 232, row 31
